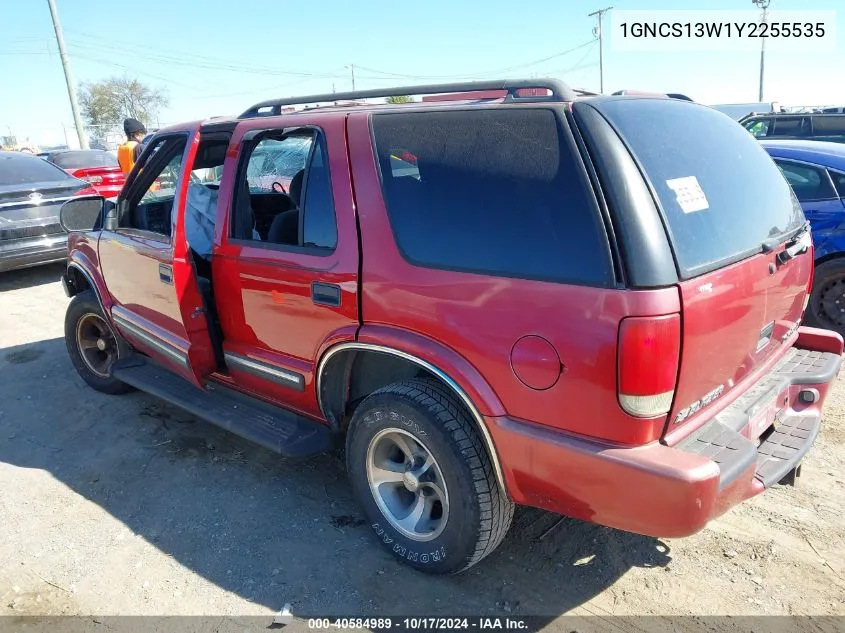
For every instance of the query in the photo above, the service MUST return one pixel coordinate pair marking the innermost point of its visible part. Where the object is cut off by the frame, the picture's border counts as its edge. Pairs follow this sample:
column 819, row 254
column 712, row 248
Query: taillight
column 87, row 191
column 94, row 180
column 649, row 352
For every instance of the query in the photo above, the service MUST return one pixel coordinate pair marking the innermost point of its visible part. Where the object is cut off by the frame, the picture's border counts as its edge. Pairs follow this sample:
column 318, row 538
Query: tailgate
column 738, row 236
column 735, row 319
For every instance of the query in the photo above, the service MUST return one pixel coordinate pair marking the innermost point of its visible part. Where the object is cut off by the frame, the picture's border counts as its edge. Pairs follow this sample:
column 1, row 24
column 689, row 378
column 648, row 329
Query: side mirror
column 81, row 214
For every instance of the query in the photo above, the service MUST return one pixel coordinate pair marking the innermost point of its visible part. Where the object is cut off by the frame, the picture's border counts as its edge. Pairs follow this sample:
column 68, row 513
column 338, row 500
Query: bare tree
column 107, row 102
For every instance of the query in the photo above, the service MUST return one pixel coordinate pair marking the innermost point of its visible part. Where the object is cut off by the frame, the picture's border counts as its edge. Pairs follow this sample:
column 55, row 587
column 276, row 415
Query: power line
column 577, row 65
column 183, row 59
column 113, row 64
column 485, row 72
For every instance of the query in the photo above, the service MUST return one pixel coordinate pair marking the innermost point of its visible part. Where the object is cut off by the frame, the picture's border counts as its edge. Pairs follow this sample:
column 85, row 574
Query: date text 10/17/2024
column 420, row 624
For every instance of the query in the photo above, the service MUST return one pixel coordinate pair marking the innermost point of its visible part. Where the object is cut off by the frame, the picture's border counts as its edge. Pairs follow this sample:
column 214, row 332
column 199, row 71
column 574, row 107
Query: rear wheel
column 92, row 345
column 424, row 479
column 826, row 308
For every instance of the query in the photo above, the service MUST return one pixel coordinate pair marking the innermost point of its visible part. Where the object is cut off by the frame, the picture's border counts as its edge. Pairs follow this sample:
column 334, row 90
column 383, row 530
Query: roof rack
column 559, row 92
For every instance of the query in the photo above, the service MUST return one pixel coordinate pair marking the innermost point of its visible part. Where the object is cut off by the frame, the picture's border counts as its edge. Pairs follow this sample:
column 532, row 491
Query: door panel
column 149, row 275
column 284, row 302
column 814, row 186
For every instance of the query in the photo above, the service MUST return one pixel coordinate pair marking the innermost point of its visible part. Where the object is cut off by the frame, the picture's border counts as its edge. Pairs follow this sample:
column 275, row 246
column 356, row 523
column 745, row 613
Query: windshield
column 24, row 169
column 721, row 195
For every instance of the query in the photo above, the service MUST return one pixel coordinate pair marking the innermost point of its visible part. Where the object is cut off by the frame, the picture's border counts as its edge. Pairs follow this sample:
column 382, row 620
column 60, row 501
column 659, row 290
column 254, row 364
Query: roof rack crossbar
column 559, row 92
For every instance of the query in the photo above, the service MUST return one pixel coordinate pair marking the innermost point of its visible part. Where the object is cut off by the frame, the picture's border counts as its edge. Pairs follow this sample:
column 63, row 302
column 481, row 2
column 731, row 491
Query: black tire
column 85, row 305
column 479, row 512
column 828, row 289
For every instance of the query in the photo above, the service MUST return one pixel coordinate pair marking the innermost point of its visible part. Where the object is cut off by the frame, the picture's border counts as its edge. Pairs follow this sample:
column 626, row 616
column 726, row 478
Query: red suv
column 585, row 304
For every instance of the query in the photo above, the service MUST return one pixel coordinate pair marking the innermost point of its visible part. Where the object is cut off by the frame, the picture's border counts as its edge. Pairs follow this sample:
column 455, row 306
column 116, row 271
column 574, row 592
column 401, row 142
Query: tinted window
column 720, row 193
column 319, row 226
column 828, row 125
column 84, row 158
column 808, row 183
column 287, row 196
column 22, row 169
column 492, row 191
column 790, row 126
column 839, row 182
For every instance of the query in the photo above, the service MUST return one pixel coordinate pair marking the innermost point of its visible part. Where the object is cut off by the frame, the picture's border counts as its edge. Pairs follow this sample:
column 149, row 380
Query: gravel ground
column 127, row 506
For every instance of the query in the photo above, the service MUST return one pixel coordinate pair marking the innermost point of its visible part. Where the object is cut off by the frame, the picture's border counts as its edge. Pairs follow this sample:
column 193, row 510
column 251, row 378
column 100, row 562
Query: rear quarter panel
column 479, row 318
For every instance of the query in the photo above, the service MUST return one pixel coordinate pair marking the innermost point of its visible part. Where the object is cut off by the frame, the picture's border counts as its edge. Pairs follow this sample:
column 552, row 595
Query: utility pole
column 764, row 5
column 598, row 33
column 351, row 68
column 71, row 87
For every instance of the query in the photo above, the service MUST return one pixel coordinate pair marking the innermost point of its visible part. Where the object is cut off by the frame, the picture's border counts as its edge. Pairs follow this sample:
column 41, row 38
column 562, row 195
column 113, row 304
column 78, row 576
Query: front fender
column 83, row 257
column 828, row 243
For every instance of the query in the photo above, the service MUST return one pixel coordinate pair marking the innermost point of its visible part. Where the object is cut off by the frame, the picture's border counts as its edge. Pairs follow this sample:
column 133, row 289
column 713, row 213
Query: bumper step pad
column 272, row 427
column 782, row 450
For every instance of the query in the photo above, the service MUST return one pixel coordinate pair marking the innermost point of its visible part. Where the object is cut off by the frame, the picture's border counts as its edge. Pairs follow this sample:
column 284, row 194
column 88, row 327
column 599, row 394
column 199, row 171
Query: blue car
column 816, row 171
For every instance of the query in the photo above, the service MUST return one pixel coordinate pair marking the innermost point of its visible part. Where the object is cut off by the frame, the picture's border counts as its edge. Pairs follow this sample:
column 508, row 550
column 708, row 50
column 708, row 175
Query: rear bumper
column 32, row 251
column 673, row 491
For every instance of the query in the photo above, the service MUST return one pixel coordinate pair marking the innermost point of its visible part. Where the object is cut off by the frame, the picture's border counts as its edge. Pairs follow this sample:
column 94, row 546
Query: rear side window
column 720, row 193
column 829, row 126
column 24, row 169
column 808, row 183
column 319, row 225
column 791, row 126
column 490, row 191
column 838, row 182
column 84, row 158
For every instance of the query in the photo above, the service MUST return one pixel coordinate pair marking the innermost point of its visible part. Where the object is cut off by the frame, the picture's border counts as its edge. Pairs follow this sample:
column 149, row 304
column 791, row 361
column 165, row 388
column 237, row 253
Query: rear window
column 720, row 193
column 84, row 158
column 24, row 169
column 493, row 191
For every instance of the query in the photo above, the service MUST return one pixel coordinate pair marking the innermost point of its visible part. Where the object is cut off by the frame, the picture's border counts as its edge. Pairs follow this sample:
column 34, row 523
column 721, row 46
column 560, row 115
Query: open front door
column 147, row 265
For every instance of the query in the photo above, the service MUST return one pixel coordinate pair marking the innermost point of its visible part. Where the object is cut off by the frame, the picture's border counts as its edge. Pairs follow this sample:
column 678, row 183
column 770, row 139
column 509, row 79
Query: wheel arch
column 83, row 275
column 828, row 257
column 336, row 378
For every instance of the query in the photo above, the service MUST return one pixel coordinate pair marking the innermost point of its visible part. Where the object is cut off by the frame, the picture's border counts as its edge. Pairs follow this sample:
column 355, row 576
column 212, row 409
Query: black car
column 32, row 191
column 809, row 126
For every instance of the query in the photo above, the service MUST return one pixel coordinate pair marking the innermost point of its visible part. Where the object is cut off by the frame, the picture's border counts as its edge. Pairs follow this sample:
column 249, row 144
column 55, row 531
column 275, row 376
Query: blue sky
column 218, row 61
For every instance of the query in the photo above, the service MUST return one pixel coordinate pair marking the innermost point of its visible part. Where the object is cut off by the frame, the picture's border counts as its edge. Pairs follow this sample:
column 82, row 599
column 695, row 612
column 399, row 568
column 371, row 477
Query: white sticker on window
column 689, row 194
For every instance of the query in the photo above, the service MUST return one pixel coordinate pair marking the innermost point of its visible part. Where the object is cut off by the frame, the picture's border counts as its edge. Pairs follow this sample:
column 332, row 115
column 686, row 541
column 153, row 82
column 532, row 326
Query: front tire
column 92, row 345
column 424, row 479
column 826, row 308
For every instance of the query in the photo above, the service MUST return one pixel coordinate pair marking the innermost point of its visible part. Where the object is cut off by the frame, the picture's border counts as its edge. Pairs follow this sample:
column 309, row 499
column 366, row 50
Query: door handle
column 165, row 274
column 325, row 294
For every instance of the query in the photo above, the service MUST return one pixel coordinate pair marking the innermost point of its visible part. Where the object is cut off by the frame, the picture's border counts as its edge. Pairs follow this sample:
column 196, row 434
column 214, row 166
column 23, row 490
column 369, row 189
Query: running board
column 272, row 427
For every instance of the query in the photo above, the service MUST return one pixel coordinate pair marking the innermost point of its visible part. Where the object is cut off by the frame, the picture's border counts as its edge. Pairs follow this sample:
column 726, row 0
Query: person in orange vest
column 129, row 152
